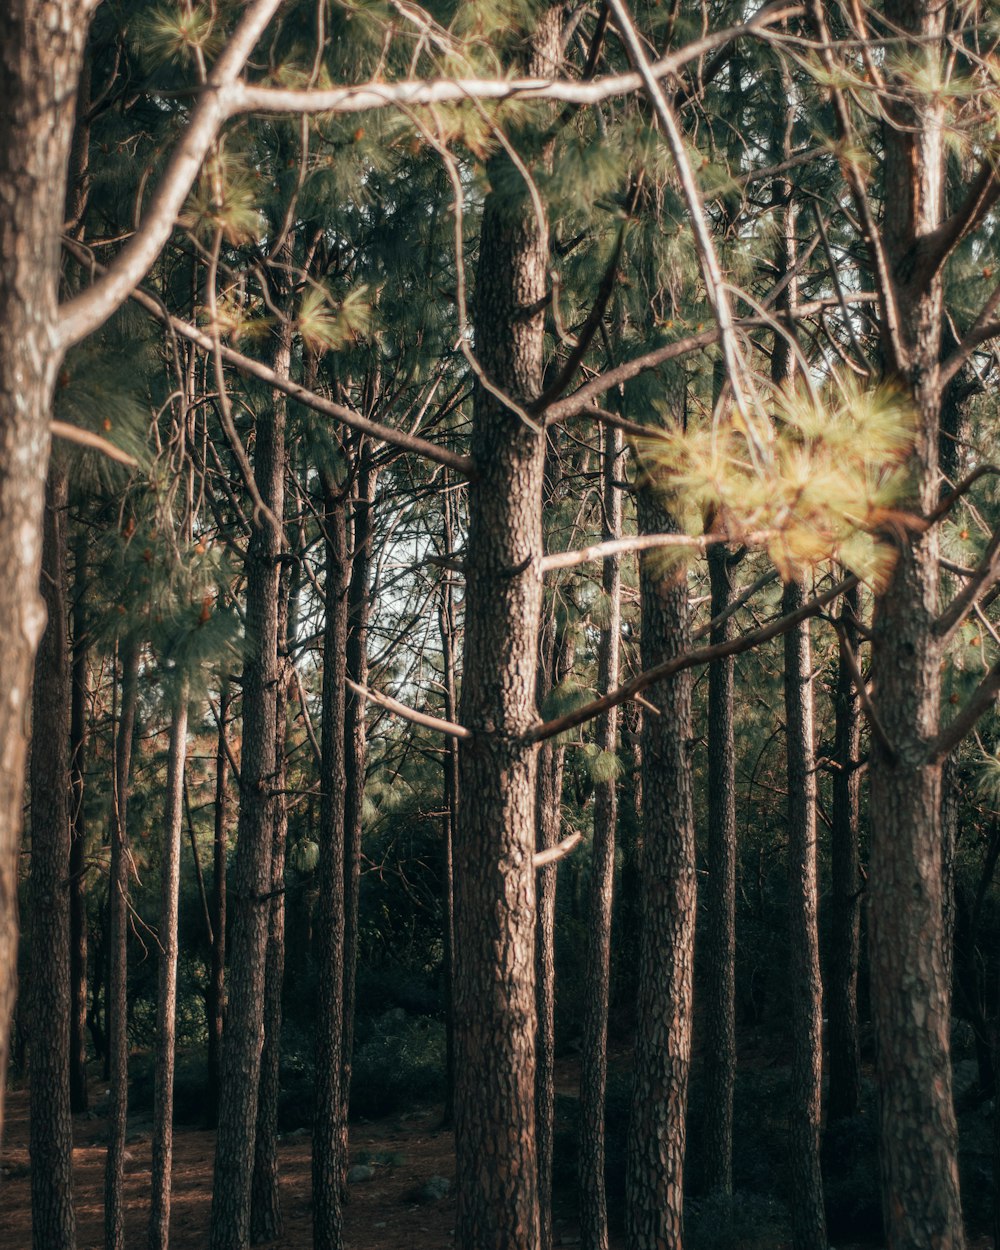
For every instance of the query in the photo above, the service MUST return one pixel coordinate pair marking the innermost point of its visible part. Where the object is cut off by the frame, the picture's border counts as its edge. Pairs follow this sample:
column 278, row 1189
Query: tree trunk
column 845, row 902
column 806, row 1008
column 78, row 837
column 53, row 1224
column 41, row 48
column 166, row 1008
column 216, row 997
column 328, row 1139
column 355, row 759
column 495, row 838
column 720, row 896
column 265, row 1198
column 252, row 878
column 594, row 1065
column 657, row 1130
column 116, row 995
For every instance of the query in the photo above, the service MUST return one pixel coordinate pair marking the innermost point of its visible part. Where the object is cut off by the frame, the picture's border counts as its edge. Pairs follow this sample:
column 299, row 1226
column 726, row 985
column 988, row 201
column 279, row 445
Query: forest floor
column 386, row 1212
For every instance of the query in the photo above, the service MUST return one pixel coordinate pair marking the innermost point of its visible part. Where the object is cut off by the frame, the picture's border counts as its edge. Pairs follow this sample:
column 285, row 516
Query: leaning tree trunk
column 53, row 1224
column 845, row 886
column 495, row 837
column 720, row 895
column 252, row 883
column 806, row 990
column 594, row 1059
column 657, row 1129
column 328, row 1139
column 116, row 1000
column 41, row 48
column 78, row 837
column 166, row 1008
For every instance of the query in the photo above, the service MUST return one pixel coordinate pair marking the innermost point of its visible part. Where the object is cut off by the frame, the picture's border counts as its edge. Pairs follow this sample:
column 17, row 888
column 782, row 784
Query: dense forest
column 500, row 621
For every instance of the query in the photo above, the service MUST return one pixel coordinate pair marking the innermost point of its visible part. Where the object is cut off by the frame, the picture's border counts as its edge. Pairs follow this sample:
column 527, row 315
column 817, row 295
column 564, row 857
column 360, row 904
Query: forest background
column 518, row 556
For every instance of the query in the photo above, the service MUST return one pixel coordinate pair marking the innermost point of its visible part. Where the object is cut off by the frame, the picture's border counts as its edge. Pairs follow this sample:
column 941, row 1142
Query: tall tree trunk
column 806, row 1009
column 910, row 999
column 355, row 757
column 41, row 48
column 252, row 879
column 78, row 837
column 594, row 1065
column 265, row 1198
column 53, row 1225
column 327, row 1138
column 720, row 895
column 216, row 997
column 116, row 995
column 657, row 1130
column 166, row 1008
column 448, row 627
column 495, row 837
column 845, row 893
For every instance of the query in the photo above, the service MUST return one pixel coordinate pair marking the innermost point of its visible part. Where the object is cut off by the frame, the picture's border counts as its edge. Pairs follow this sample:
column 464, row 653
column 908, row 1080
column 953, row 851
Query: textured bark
column 116, row 1004
column 78, row 837
column 845, row 888
column 41, row 44
column 806, row 1007
column 251, row 895
column 265, row 1196
column 657, row 1129
column 594, row 1059
column 328, row 1138
column 355, row 759
column 495, row 838
column 909, row 992
column 53, row 1225
column 447, row 629
column 166, row 1007
column 216, row 997
column 720, row 897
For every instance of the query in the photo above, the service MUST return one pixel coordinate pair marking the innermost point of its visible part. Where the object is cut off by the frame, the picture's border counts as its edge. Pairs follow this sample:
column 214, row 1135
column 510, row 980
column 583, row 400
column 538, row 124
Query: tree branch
column 409, row 713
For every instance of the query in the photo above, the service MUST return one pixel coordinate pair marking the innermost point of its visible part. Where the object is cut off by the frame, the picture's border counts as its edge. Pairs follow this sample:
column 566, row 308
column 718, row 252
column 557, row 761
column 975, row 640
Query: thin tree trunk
column 265, row 1199
column 53, row 1224
column 806, row 1009
column 166, row 1008
column 594, row 1065
column 41, row 49
column 328, row 1139
column 720, row 896
column 845, row 901
column 252, row 876
column 116, row 1001
column 355, row 760
column 78, row 837
column 216, row 997
column 657, row 1129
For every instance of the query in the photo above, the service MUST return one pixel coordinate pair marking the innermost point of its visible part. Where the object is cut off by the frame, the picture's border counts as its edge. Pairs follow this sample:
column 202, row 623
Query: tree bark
column 216, row 997
column 720, row 896
column 166, row 1008
column 116, row 1000
column 252, row 876
column 594, row 1065
column 495, row 838
column 845, row 888
column 657, row 1129
column 806, row 1008
column 328, row 1138
column 78, row 836
column 41, row 49
column 53, row 1223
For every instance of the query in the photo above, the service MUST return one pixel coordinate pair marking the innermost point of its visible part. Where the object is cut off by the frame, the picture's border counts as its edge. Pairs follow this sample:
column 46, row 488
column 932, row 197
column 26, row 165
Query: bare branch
column 553, row 853
column 409, row 713
column 74, row 434
column 648, row 542
column 980, row 702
